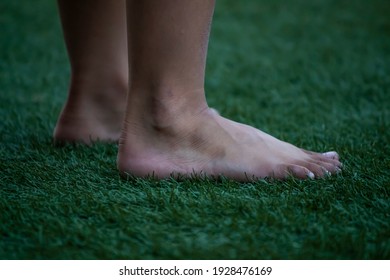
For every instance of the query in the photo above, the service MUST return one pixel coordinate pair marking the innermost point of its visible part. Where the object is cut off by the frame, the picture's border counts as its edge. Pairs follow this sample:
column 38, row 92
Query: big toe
column 331, row 155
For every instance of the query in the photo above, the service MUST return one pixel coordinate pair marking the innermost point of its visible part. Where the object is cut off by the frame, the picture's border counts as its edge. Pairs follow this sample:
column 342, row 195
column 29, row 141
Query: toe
column 326, row 159
column 297, row 171
column 331, row 155
column 331, row 167
column 319, row 170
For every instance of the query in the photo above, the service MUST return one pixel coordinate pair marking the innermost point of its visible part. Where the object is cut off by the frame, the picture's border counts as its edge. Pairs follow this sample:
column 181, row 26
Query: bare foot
column 92, row 114
column 206, row 143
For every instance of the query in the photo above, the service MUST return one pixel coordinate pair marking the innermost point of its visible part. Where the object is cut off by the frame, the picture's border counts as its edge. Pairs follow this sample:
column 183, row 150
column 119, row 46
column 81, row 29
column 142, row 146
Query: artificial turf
column 314, row 73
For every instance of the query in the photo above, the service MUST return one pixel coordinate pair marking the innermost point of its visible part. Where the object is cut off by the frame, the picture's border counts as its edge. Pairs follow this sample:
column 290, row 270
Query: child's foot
column 92, row 114
column 206, row 143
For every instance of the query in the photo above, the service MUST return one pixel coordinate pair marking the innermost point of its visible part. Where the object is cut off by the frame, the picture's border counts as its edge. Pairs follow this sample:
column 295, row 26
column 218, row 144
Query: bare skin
column 169, row 129
column 95, row 36
column 208, row 144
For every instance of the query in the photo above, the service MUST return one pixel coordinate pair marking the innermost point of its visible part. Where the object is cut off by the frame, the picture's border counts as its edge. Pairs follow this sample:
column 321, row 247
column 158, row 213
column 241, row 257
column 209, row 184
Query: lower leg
column 168, row 126
column 95, row 36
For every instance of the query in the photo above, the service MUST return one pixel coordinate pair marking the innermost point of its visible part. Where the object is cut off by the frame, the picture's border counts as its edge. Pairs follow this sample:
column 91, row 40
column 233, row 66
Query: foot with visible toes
column 206, row 143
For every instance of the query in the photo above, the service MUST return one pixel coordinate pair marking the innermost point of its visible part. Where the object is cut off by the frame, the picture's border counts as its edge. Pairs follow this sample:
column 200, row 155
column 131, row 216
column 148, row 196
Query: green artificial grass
column 313, row 73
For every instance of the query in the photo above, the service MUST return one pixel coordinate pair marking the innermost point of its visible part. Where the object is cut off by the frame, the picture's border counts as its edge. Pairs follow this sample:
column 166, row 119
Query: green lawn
column 314, row 73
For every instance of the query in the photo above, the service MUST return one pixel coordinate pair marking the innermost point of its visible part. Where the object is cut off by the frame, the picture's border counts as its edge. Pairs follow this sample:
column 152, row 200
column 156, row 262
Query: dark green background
column 314, row 73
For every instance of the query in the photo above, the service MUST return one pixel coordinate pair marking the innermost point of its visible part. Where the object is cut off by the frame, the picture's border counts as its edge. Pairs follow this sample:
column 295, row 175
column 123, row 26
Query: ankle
column 161, row 108
column 103, row 95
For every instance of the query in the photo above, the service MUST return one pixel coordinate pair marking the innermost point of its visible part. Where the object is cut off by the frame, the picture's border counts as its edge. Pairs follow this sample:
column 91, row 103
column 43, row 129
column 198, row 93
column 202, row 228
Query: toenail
column 311, row 175
column 330, row 154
